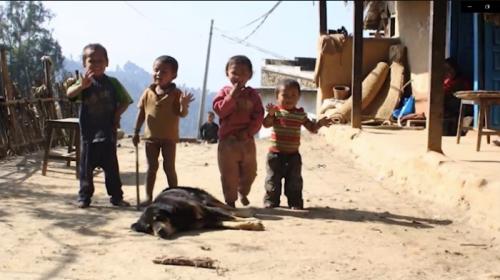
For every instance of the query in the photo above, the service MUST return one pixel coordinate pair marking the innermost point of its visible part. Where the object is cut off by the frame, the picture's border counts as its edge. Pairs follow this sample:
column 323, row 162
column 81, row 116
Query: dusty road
column 354, row 227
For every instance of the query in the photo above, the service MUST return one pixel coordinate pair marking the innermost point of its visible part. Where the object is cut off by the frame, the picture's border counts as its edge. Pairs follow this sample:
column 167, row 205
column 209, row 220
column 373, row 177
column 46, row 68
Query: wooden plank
column 322, row 17
column 357, row 60
column 32, row 100
column 437, row 36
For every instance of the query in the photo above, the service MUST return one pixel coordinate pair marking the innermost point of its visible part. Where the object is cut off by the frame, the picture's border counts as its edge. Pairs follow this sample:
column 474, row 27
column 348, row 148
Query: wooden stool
column 461, row 117
column 73, row 127
column 484, row 99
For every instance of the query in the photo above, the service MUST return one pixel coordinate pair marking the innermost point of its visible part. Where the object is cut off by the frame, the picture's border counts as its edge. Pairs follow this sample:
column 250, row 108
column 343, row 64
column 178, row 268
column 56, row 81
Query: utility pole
column 204, row 90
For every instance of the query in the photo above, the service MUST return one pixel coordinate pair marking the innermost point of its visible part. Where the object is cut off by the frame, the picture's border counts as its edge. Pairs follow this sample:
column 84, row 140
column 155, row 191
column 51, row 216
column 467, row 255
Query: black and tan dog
column 184, row 208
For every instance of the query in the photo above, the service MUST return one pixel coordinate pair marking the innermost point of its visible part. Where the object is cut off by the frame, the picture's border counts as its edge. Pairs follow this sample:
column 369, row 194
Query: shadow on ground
column 351, row 215
column 36, row 201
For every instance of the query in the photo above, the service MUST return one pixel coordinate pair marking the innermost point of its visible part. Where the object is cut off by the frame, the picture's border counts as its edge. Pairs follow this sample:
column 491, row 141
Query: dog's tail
column 238, row 212
column 242, row 212
column 244, row 224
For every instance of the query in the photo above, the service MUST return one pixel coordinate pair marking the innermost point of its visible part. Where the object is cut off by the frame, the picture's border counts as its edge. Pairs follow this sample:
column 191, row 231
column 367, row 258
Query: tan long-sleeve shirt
column 162, row 114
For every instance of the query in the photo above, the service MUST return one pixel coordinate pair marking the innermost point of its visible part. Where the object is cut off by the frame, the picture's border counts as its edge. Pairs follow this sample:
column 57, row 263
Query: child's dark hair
column 166, row 59
column 210, row 113
column 286, row 83
column 240, row 59
column 453, row 64
column 94, row 47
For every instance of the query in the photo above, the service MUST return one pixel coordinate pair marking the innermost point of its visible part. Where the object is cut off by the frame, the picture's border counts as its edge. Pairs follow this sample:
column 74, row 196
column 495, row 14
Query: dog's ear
column 161, row 209
column 163, row 229
column 141, row 227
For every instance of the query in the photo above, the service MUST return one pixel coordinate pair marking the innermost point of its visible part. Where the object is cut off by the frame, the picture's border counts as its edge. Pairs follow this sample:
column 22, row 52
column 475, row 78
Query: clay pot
column 341, row 92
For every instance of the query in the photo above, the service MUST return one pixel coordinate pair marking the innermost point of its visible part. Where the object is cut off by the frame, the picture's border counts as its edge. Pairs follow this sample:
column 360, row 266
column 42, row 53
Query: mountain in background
column 135, row 80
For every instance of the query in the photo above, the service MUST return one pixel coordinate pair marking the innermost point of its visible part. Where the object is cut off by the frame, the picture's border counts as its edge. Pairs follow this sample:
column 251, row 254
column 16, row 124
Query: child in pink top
column 240, row 112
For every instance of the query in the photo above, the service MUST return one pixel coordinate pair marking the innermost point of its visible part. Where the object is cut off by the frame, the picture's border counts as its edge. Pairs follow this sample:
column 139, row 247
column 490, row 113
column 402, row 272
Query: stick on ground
column 137, row 177
column 184, row 261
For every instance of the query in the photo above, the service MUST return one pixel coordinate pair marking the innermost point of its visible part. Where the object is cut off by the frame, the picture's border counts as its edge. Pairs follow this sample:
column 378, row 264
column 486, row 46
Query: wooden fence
column 22, row 123
column 23, row 117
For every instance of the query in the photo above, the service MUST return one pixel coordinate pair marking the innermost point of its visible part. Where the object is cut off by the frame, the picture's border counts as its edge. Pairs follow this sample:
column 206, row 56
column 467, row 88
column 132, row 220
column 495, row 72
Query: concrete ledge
column 401, row 156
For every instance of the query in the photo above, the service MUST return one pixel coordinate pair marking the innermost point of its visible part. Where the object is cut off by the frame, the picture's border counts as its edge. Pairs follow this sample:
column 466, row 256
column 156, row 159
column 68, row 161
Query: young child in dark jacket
column 103, row 99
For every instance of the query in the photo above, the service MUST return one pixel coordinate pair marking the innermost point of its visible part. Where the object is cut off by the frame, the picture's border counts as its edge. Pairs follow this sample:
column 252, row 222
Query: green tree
column 23, row 31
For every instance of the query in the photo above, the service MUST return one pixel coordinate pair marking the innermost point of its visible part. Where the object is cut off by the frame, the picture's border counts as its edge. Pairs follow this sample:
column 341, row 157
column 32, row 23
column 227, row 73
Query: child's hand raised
column 325, row 121
column 237, row 89
column 186, row 98
column 86, row 80
column 271, row 109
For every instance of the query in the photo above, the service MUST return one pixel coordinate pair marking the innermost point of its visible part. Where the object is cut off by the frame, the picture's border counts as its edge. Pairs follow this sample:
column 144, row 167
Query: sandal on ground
column 121, row 203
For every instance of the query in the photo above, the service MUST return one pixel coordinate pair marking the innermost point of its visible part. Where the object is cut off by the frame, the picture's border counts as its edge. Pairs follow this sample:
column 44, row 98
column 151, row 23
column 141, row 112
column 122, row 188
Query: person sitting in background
column 209, row 130
column 454, row 81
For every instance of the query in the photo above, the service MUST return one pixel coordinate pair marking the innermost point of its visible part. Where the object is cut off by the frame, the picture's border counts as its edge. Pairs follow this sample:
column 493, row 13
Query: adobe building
column 471, row 38
column 300, row 69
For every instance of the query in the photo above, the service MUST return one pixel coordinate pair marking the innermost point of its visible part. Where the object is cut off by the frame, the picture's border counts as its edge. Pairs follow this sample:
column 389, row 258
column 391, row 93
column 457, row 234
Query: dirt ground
column 355, row 226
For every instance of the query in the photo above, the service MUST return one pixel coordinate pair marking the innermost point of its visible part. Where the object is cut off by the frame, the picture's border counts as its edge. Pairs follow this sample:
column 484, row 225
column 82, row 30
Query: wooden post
column 8, row 90
column 437, row 34
column 47, row 63
column 322, row 17
column 14, row 133
column 357, row 61
column 55, row 111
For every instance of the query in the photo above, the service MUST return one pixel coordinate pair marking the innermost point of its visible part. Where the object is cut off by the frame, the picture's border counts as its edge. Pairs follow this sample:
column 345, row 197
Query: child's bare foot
column 145, row 203
column 83, row 204
column 121, row 203
column 269, row 204
column 231, row 204
column 244, row 200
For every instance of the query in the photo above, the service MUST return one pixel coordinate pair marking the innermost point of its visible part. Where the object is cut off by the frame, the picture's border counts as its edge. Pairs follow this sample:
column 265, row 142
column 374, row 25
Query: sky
column 141, row 31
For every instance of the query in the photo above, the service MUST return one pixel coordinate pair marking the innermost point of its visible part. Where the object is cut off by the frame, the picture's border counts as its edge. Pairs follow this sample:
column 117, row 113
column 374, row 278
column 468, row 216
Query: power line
column 255, row 20
column 263, row 20
column 233, row 39
column 136, row 10
column 146, row 17
column 241, row 42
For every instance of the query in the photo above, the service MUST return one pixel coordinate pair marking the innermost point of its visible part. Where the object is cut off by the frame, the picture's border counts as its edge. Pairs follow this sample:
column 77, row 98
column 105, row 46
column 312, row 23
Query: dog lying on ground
column 184, row 208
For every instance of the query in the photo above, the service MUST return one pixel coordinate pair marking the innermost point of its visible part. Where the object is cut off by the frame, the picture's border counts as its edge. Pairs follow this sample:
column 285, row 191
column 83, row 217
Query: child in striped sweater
column 283, row 158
